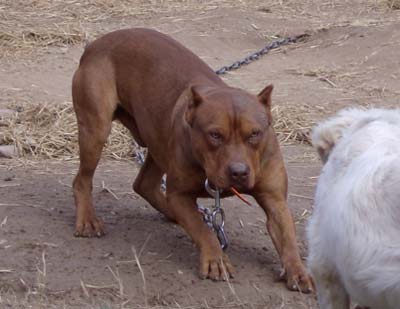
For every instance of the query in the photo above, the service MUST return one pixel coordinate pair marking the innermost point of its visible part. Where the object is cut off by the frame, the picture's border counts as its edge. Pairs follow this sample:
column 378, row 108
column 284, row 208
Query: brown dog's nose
column 239, row 172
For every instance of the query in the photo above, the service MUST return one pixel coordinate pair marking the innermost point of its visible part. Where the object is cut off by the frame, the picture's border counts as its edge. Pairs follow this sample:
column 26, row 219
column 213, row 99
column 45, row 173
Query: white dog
column 354, row 232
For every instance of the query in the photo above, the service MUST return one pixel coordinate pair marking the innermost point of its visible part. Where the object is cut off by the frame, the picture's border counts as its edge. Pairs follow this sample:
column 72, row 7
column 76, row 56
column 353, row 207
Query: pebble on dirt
column 8, row 151
column 5, row 112
column 394, row 4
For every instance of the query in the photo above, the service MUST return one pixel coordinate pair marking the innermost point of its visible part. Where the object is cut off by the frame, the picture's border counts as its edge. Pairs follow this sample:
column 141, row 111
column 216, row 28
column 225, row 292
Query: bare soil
column 350, row 59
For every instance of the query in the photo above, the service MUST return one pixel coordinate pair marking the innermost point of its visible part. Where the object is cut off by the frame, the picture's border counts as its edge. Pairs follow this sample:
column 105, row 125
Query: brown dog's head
column 229, row 129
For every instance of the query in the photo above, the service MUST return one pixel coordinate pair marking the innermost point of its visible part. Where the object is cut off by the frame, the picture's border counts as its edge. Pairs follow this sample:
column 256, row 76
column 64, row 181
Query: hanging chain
column 215, row 217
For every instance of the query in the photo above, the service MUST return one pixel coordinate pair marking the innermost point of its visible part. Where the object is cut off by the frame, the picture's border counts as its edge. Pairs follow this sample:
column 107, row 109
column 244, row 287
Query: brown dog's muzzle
column 239, row 175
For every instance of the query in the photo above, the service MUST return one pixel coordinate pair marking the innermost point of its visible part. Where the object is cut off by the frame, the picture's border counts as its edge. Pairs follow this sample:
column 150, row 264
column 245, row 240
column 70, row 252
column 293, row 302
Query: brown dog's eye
column 254, row 136
column 216, row 136
column 255, row 133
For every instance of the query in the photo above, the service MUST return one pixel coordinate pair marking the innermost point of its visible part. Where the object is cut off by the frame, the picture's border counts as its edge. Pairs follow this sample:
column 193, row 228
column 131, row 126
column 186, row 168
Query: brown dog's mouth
column 240, row 187
column 227, row 186
column 212, row 189
column 217, row 182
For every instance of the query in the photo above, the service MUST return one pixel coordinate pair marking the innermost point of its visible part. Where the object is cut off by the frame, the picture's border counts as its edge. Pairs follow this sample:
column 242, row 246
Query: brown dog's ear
column 265, row 96
column 194, row 100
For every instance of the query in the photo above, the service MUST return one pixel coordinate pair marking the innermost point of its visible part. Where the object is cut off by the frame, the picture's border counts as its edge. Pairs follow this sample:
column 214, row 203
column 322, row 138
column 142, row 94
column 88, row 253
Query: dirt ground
column 351, row 58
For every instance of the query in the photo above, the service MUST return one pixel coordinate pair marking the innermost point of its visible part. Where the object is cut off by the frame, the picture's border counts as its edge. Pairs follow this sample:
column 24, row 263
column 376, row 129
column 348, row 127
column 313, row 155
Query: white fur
column 354, row 232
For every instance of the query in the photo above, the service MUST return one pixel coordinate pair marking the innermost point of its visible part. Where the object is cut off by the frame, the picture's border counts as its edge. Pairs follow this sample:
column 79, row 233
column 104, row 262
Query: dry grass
column 29, row 25
column 50, row 131
column 291, row 125
column 393, row 4
column 28, row 39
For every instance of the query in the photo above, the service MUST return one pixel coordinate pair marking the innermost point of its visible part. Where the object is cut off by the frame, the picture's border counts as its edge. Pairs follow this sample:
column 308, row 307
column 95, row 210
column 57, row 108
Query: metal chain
column 215, row 217
column 256, row 55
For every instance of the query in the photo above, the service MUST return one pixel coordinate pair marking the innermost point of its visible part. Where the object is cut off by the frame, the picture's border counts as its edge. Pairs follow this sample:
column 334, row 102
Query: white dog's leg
column 331, row 293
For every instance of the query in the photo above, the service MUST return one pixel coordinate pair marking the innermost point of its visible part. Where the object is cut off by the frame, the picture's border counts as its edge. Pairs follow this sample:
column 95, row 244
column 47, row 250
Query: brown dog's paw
column 216, row 267
column 299, row 280
column 89, row 228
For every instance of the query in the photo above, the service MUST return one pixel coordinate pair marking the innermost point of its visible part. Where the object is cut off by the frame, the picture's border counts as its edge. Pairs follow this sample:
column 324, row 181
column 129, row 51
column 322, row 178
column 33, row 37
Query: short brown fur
column 195, row 127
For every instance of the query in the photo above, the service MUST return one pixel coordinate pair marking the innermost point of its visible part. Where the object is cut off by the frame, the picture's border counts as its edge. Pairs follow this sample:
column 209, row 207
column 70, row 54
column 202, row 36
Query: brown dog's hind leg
column 94, row 109
column 147, row 185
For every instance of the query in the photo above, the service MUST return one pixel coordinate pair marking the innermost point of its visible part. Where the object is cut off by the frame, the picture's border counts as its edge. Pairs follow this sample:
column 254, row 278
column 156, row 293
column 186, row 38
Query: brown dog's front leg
column 270, row 193
column 214, row 264
column 282, row 231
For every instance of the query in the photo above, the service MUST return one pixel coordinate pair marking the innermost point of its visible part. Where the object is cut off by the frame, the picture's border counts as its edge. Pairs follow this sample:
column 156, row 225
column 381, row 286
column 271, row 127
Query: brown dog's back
column 144, row 59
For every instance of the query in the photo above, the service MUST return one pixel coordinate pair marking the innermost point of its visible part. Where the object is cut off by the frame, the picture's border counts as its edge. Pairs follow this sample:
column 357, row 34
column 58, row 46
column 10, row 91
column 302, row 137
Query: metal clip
column 218, row 226
column 215, row 219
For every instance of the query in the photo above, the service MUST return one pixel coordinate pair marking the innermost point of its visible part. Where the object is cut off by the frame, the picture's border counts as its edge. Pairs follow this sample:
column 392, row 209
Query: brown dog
column 194, row 126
